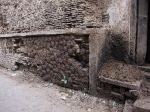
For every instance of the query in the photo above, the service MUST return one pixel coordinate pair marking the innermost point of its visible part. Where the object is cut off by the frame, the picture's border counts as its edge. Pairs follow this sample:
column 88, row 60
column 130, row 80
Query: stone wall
column 37, row 15
column 25, row 15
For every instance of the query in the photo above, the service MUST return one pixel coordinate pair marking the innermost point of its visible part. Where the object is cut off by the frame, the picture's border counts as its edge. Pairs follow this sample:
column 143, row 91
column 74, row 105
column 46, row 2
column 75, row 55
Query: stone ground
column 25, row 92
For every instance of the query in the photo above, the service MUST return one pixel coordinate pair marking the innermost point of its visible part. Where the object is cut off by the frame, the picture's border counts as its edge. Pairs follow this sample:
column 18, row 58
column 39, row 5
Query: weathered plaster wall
column 33, row 15
column 119, row 13
column 7, row 57
column 25, row 15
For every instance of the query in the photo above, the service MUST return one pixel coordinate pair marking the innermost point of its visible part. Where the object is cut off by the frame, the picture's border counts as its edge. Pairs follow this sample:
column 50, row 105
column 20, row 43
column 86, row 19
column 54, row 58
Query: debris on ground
column 60, row 96
column 64, row 80
column 63, row 97
column 113, row 105
column 89, row 109
column 79, row 99
column 49, row 85
column 13, row 75
column 104, row 102
column 83, row 96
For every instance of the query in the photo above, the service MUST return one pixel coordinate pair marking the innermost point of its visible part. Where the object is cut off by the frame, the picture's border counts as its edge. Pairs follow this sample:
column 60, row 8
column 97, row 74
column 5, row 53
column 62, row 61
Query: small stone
column 13, row 75
column 104, row 102
column 135, row 93
column 83, row 96
column 89, row 109
column 79, row 99
column 63, row 97
column 49, row 85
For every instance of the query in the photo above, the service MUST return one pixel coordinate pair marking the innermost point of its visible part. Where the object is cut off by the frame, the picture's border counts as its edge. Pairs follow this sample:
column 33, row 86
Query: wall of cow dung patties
column 51, row 57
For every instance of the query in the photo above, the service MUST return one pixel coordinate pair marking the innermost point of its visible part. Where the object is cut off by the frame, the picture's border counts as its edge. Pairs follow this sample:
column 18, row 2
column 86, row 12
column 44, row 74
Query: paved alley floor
column 25, row 92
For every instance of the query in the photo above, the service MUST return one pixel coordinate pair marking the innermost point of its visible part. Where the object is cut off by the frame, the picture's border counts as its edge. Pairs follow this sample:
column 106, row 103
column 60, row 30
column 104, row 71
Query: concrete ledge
column 76, row 31
column 133, row 85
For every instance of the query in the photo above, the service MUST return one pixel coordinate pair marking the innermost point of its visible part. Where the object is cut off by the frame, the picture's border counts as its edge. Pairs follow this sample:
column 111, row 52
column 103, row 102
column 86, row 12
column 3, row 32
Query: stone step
column 145, row 68
column 131, row 85
column 147, row 76
column 119, row 89
column 142, row 105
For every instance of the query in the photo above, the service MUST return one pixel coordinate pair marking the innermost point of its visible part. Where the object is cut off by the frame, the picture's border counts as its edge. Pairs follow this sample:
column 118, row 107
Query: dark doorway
column 148, row 36
column 142, row 45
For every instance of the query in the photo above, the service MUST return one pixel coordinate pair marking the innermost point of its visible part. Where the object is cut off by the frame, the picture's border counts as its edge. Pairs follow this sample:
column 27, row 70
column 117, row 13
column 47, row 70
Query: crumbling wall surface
column 119, row 16
column 33, row 15
column 60, row 59
column 7, row 57
column 118, row 43
column 119, row 30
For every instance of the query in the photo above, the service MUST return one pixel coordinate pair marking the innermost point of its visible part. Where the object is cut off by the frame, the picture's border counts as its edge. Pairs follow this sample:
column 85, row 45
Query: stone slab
column 130, row 85
column 76, row 31
column 144, row 68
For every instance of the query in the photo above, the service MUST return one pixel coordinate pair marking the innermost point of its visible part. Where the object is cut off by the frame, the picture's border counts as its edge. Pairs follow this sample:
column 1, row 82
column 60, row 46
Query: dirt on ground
column 121, row 71
column 22, row 91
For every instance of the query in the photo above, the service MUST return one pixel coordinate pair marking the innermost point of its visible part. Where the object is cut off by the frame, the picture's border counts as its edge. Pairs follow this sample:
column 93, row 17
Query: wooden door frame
column 138, row 30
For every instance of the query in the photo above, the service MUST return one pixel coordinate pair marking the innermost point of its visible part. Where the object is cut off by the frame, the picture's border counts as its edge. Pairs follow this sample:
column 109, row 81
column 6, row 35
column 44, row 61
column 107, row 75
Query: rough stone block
column 142, row 105
column 128, row 106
